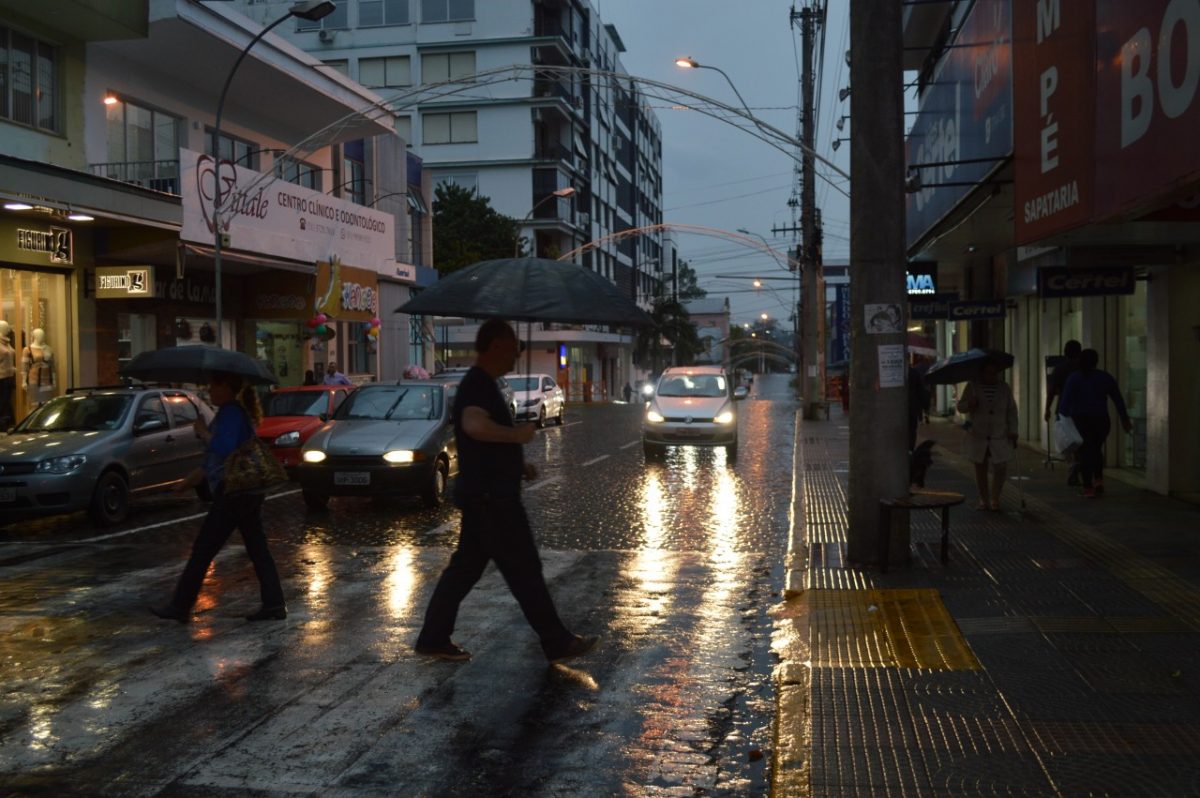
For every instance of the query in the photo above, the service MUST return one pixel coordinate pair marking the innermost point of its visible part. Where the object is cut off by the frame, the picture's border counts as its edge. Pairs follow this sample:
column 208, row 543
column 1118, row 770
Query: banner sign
column 921, row 277
column 275, row 217
column 1059, row 281
column 125, row 282
column 965, row 114
column 932, row 306
column 1054, row 110
column 345, row 293
column 977, row 309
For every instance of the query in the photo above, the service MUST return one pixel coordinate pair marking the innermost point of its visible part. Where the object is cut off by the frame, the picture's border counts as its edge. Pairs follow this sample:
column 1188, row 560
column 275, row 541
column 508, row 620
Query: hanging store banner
column 1147, row 103
column 345, row 293
column 269, row 216
column 977, row 309
column 965, row 115
column 931, row 306
column 1054, row 111
column 1060, row 281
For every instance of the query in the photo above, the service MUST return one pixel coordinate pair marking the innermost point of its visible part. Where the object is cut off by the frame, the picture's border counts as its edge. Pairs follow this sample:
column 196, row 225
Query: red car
column 292, row 415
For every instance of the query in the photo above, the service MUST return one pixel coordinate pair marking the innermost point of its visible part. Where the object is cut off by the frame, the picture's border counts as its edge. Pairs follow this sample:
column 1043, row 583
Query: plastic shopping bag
column 1066, row 437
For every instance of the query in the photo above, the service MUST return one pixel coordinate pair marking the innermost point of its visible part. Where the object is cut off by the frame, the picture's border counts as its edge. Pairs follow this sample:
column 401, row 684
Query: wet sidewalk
column 1057, row 653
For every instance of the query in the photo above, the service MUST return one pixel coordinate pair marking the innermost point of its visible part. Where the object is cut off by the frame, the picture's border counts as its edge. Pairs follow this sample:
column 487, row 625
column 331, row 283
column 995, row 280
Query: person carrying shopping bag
column 1085, row 401
column 992, row 431
column 238, row 412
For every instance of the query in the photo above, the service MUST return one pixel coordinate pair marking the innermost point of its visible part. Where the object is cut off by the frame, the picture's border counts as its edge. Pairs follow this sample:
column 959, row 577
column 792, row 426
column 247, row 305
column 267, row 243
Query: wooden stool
column 919, row 499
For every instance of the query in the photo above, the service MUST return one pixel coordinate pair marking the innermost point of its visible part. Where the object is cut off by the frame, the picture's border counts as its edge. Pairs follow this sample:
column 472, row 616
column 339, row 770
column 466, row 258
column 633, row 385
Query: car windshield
column 394, row 402
column 296, row 403
column 524, row 383
column 86, row 412
column 704, row 385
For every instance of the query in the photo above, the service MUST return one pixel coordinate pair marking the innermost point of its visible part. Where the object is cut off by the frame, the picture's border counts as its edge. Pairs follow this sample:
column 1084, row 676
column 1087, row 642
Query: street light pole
column 562, row 192
column 311, row 10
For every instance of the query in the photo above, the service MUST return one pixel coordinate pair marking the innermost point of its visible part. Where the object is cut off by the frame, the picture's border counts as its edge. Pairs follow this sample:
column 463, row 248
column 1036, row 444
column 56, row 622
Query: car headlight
column 647, row 390
column 724, row 417
column 61, row 465
column 399, row 456
column 289, row 439
column 314, row 456
column 532, row 402
column 654, row 417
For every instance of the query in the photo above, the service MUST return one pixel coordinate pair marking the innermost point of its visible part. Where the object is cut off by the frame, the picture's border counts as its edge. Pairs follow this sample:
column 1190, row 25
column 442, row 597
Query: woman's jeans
column 1094, row 430
column 242, row 511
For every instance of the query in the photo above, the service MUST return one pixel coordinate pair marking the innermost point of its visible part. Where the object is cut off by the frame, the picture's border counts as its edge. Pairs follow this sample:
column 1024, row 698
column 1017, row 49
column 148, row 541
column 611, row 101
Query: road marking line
column 631, row 443
column 594, row 460
column 166, row 523
column 543, row 483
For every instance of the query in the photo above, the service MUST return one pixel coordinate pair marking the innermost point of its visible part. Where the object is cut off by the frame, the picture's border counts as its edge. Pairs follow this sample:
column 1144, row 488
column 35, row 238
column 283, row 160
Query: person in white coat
column 992, row 431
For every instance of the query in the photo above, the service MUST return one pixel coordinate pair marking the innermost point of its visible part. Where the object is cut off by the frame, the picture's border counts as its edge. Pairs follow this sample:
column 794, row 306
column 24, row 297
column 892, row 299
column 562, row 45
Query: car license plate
column 8, row 495
column 352, row 478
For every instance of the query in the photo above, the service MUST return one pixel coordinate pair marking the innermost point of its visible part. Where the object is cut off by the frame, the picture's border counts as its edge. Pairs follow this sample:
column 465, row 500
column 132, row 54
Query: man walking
column 494, row 523
column 1085, row 401
column 1054, row 390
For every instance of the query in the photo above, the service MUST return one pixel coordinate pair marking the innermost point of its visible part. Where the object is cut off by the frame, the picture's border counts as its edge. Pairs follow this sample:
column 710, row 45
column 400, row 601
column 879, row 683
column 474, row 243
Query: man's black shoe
column 268, row 614
column 574, row 647
column 446, row 651
column 169, row 612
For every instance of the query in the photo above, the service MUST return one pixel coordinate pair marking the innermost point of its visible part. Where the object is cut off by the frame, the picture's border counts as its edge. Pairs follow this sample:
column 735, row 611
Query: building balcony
column 155, row 175
column 553, row 152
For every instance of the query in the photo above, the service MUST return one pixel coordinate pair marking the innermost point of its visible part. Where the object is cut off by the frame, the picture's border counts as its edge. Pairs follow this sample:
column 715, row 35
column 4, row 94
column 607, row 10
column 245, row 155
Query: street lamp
column 311, row 10
column 560, row 193
column 689, row 63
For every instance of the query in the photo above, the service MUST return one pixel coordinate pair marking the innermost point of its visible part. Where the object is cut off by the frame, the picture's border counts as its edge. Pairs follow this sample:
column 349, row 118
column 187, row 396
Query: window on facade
column 447, row 10
column 238, row 151
column 443, row 67
column 28, row 81
column 339, row 65
column 339, row 19
column 404, row 128
column 467, row 180
column 354, row 172
column 298, row 172
column 455, row 128
column 379, row 73
column 143, row 146
column 372, row 13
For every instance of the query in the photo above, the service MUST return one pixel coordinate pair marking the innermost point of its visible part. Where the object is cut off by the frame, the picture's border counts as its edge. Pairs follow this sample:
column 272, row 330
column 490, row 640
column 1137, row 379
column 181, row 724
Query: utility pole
column 878, row 316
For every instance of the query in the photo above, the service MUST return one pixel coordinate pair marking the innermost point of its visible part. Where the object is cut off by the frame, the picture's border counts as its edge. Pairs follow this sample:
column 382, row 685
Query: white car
column 691, row 406
column 538, row 397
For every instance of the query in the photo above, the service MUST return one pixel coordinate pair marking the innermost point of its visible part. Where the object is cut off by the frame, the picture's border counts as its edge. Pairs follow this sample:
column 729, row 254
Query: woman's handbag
column 251, row 466
column 1066, row 436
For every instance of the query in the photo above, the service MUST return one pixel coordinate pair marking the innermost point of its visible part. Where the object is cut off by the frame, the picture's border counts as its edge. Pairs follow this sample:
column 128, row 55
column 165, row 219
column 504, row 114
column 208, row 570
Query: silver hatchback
column 95, row 449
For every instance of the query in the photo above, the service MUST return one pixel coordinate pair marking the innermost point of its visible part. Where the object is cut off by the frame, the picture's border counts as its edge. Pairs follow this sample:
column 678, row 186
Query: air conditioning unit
column 325, row 36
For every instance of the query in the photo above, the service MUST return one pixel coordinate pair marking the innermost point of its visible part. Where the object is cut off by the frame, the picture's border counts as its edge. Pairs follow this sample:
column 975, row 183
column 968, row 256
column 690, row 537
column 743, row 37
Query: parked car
column 385, row 439
column 691, row 406
column 455, row 375
column 95, row 449
column 292, row 415
column 538, row 397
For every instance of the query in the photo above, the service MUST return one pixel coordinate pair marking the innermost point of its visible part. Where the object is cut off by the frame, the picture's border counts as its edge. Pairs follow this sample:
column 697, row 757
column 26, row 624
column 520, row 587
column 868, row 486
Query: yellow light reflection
column 651, row 569
column 398, row 586
column 319, row 570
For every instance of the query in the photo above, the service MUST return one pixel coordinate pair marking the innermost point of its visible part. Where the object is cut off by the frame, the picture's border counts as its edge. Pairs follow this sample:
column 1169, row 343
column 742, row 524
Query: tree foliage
column 467, row 229
column 689, row 287
column 673, row 325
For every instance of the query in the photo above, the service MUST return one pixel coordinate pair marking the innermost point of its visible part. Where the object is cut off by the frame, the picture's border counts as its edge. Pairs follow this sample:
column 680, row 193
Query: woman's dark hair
column 1089, row 359
column 492, row 330
column 243, row 393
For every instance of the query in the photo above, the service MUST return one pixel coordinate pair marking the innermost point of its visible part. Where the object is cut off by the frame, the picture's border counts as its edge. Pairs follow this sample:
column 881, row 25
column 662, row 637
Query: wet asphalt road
column 676, row 564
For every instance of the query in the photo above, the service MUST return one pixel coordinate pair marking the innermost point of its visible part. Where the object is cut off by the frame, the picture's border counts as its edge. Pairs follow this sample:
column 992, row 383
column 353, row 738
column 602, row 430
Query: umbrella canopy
column 528, row 289
column 965, row 366
column 195, row 364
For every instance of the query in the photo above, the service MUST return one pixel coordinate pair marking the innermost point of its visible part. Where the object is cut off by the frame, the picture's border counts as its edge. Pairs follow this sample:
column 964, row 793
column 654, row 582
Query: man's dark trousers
column 494, row 529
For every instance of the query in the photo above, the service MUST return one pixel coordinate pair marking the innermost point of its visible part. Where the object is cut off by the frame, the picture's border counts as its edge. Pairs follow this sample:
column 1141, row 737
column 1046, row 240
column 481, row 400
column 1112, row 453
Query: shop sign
column 279, row 295
column 187, row 291
column 921, row 278
column 56, row 243
column 1147, row 102
column 270, row 216
column 1059, row 281
column 406, row 272
column 345, row 293
column 965, row 115
column 977, row 309
column 1054, row 106
column 125, row 282
column 932, row 306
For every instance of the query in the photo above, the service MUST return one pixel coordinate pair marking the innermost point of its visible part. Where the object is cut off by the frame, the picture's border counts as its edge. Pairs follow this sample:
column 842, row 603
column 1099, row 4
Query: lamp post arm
column 528, row 216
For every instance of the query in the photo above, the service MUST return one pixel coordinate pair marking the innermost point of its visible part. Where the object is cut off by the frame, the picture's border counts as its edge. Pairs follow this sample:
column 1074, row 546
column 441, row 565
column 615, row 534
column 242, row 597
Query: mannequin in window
column 8, row 375
column 37, row 362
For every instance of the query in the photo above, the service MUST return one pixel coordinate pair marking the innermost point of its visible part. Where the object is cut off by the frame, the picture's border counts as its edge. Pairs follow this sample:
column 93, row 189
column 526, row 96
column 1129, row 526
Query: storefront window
column 135, row 334
column 35, row 342
column 360, row 349
column 190, row 331
column 1132, row 379
column 281, row 346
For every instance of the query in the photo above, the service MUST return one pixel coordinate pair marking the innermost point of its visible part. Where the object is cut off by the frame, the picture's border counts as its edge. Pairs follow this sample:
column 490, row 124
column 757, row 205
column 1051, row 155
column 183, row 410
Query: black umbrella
column 528, row 289
column 195, row 364
column 965, row 366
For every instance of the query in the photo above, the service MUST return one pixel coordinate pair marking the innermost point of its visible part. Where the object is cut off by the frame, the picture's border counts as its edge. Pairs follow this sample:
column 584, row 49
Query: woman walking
column 1084, row 401
column 238, row 412
column 992, row 434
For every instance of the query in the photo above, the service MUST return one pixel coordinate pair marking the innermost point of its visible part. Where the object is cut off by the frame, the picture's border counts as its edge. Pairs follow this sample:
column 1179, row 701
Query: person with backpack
column 1085, row 401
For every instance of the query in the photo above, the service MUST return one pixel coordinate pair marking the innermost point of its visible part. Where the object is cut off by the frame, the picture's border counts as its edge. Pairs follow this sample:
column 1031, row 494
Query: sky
column 716, row 175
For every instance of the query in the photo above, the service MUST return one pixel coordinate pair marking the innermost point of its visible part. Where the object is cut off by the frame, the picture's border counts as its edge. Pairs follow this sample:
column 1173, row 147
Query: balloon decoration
column 320, row 328
column 373, row 327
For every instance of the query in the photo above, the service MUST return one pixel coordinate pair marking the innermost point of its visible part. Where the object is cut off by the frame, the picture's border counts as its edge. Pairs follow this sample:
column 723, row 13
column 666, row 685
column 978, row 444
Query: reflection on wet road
column 675, row 563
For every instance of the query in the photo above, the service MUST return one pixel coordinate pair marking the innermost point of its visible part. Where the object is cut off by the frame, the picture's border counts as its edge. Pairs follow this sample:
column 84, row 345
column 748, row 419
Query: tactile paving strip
column 885, row 628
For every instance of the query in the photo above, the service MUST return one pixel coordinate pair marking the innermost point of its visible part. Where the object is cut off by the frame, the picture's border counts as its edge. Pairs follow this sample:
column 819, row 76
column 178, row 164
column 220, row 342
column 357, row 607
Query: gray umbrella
column 195, row 364
column 528, row 289
column 965, row 366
